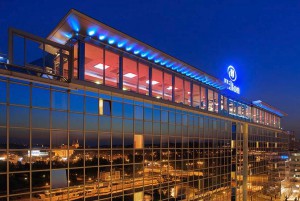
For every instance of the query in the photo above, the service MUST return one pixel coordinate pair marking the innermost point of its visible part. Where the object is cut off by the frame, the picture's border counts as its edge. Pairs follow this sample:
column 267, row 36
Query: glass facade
column 94, row 144
column 97, row 123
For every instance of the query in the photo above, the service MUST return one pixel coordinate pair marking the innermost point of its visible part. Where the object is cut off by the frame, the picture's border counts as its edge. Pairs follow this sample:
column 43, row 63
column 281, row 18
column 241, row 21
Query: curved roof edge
column 76, row 22
column 269, row 108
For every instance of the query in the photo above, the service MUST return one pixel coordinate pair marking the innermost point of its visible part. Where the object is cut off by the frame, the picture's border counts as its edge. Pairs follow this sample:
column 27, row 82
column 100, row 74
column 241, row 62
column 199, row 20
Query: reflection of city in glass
column 90, row 129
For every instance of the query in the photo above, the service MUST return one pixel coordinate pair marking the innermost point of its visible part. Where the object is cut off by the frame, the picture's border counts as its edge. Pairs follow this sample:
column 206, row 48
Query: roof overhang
column 76, row 23
column 269, row 108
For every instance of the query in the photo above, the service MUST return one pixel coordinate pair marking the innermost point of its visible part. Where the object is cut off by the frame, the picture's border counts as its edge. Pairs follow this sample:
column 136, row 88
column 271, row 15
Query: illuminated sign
column 232, row 78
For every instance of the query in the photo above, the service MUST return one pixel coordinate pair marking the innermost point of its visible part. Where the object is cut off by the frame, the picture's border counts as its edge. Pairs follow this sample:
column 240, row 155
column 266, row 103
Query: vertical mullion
column 150, row 81
column 191, row 93
column 30, row 139
column 120, row 72
column 173, row 88
column 81, row 60
column 68, row 147
column 104, row 64
column 50, row 133
column 7, row 136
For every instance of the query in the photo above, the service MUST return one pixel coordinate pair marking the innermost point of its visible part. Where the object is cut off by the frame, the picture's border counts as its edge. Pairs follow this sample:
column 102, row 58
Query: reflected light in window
column 100, row 66
column 130, row 75
column 170, row 88
column 153, row 82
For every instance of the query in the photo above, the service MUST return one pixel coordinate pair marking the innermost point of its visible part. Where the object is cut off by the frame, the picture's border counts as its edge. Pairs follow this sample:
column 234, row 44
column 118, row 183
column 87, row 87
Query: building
column 291, row 183
column 162, row 129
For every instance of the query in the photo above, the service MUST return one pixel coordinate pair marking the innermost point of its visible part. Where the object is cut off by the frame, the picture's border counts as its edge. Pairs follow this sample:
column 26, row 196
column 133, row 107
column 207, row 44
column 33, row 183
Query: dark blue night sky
column 260, row 38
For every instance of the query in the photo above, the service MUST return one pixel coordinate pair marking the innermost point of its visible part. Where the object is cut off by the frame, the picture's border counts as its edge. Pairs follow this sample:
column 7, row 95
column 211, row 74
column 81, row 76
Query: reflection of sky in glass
column 3, row 92
column 59, row 178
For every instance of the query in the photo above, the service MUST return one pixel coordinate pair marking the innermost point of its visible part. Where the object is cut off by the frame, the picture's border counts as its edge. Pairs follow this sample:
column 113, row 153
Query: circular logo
column 231, row 73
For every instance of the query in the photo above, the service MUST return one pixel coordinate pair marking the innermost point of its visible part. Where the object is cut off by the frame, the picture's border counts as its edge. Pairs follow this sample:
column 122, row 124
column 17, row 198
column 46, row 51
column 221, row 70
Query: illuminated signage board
column 232, row 78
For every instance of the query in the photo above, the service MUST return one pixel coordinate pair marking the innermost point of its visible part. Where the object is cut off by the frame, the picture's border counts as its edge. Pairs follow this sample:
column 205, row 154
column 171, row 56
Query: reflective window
column 76, row 103
column 59, row 120
column 196, row 96
column 167, row 86
column 91, row 105
column 138, row 112
column 104, row 140
column 210, row 100
column 2, row 115
column 178, row 90
column 75, row 67
column 60, row 140
column 40, row 139
column 117, row 125
column 59, row 100
column 91, row 140
column 117, row 109
column 187, row 93
column 3, row 139
column 216, row 102
column 40, row 118
column 94, row 64
column 40, row 180
column 91, row 123
column 128, row 111
column 76, row 139
column 19, row 117
column 112, row 69
column 105, row 123
column 143, row 85
column 19, row 98
column 40, row 97
column 3, row 184
column 19, row 182
column 59, row 178
column 18, row 138
column 203, row 98
column 130, row 74
column 3, row 92
column 76, row 121
column 157, row 84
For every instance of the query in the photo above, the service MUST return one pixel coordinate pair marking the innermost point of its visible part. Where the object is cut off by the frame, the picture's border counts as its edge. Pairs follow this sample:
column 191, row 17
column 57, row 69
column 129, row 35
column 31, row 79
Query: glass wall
column 130, row 75
column 94, row 63
column 67, row 144
column 111, row 68
column 102, row 66
column 157, row 83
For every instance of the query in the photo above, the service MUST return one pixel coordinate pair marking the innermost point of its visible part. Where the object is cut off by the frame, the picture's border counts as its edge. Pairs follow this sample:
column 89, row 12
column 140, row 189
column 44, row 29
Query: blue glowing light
column 144, row 54
column 121, row 44
column 151, row 57
column 91, row 32
column 163, row 62
column 232, row 73
column 129, row 48
column 169, row 65
column 157, row 60
column 137, row 51
column 59, row 40
column 67, row 35
column 111, row 41
column 74, row 24
column 102, row 37
column 284, row 157
column 175, row 67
